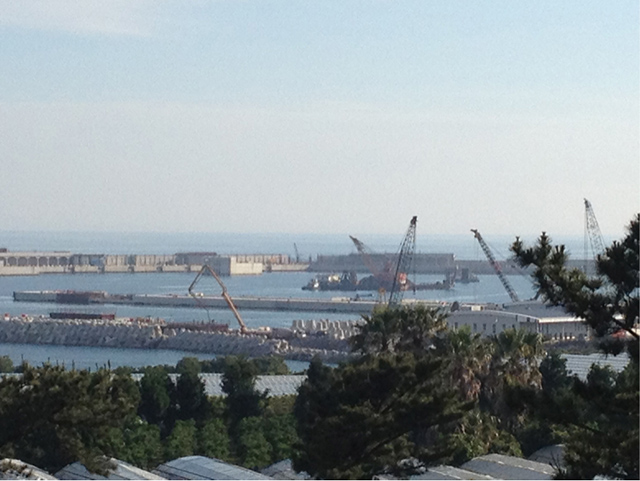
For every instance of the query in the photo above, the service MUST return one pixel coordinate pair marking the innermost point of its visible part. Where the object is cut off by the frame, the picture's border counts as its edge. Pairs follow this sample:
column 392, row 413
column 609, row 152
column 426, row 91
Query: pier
column 336, row 304
column 302, row 342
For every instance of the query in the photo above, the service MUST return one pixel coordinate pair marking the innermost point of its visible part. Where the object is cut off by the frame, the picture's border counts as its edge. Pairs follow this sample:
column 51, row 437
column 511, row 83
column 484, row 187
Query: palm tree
column 379, row 333
column 469, row 356
column 516, row 357
column 399, row 329
column 513, row 366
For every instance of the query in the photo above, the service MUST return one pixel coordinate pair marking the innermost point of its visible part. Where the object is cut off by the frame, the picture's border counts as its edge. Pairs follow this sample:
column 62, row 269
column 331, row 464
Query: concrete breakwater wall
column 98, row 333
column 40, row 262
column 425, row 264
column 149, row 334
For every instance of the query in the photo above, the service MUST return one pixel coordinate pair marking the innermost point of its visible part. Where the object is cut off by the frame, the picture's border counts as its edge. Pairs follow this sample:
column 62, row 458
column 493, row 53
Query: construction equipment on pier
column 496, row 267
column 405, row 257
column 381, row 277
column 225, row 295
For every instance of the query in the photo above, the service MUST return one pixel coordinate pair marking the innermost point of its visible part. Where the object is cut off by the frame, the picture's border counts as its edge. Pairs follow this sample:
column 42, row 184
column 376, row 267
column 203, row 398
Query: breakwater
column 304, row 340
column 446, row 264
column 65, row 262
column 336, row 304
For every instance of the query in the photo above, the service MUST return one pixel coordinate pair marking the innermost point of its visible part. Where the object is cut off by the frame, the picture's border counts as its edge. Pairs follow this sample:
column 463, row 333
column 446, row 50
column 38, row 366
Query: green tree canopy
column 253, row 448
column 189, row 364
column 238, row 383
column 156, row 391
column 182, row 441
column 469, row 357
column 600, row 417
column 137, row 443
column 608, row 302
column 213, row 440
column 6, row 364
column 405, row 328
column 191, row 400
column 51, row 417
column 363, row 418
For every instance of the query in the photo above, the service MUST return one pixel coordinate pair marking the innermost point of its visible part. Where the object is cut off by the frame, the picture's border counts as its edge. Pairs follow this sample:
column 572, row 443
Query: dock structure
column 336, row 304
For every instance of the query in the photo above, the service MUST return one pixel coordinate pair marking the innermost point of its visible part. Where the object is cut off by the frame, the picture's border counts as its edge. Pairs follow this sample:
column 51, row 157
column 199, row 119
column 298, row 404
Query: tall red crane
column 496, row 267
column 405, row 258
column 225, row 295
column 383, row 276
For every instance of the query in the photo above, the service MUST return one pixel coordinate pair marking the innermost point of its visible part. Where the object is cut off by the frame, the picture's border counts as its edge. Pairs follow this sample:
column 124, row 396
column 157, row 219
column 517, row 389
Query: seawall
column 337, row 304
column 326, row 339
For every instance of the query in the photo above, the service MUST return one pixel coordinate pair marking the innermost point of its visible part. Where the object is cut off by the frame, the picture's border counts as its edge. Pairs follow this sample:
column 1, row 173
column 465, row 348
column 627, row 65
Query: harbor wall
column 297, row 344
column 336, row 304
column 34, row 263
column 422, row 263
column 442, row 264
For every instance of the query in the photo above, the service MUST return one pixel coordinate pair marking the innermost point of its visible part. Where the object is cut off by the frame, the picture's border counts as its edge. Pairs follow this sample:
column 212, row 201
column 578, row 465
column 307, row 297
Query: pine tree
column 600, row 417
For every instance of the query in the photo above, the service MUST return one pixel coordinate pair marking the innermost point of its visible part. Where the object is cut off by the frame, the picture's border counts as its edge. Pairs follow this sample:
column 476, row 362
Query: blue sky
column 329, row 117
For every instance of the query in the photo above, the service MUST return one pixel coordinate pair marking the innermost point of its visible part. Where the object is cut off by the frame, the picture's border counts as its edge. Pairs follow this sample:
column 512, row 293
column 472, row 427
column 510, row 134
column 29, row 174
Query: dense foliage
column 608, row 302
column 419, row 395
column 50, row 416
column 267, row 365
column 598, row 419
column 362, row 418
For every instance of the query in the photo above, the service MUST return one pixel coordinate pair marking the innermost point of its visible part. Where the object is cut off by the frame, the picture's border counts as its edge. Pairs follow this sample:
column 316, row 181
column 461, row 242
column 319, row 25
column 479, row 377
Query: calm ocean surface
column 489, row 289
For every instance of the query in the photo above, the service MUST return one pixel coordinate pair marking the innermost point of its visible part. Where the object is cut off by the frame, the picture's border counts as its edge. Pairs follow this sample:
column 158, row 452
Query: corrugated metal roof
column 282, row 385
column 500, row 466
column 200, row 467
column 122, row 471
column 449, row 472
column 580, row 364
column 552, row 455
column 277, row 385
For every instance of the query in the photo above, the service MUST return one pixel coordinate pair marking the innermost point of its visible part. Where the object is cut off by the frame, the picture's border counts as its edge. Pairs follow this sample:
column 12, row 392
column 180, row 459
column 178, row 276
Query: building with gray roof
column 448, row 472
column 552, row 455
column 200, row 467
column 281, row 385
column 580, row 364
column 499, row 466
column 121, row 470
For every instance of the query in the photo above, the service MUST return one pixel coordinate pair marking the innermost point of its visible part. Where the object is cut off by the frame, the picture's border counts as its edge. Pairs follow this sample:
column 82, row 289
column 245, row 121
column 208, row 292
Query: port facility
column 336, row 304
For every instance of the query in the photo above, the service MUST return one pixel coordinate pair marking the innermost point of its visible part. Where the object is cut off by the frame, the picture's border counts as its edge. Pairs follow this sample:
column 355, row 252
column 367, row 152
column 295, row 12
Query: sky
column 329, row 117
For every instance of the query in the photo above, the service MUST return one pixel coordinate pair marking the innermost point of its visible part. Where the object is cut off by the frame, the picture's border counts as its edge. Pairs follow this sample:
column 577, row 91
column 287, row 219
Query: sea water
column 274, row 284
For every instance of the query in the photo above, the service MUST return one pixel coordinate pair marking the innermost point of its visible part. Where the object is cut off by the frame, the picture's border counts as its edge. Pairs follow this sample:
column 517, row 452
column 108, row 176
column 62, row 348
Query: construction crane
column 496, row 266
column 405, row 257
column 592, row 231
column 295, row 247
column 225, row 295
column 383, row 276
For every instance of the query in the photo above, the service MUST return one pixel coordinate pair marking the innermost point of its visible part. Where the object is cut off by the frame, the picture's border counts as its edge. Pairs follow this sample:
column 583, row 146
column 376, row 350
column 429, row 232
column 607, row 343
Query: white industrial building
column 491, row 319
